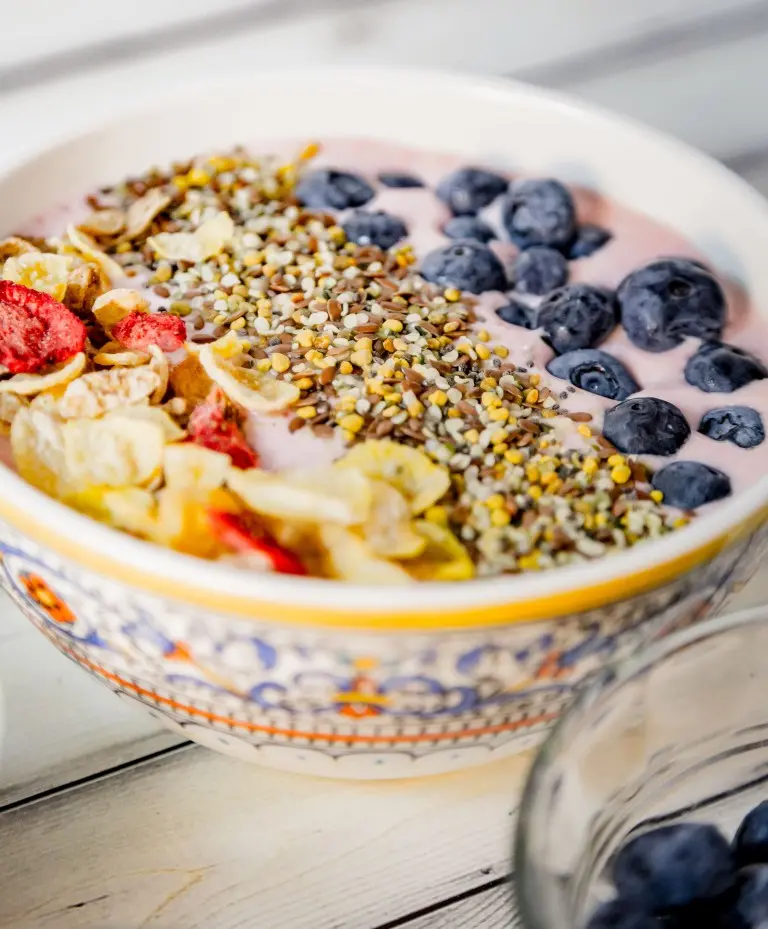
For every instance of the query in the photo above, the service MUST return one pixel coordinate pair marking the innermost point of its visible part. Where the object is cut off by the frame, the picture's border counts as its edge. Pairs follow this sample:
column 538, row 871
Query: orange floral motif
column 47, row 599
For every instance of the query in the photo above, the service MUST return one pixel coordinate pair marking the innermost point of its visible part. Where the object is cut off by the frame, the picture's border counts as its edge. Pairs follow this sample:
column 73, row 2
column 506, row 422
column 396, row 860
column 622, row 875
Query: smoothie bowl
column 348, row 439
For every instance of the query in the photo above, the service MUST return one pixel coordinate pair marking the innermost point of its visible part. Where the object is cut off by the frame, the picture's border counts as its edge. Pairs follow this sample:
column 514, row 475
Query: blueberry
column 576, row 316
column 674, row 866
column 374, row 228
column 669, row 300
column 468, row 190
column 468, row 227
column 539, row 213
column 750, row 908
column 690, row 484
column 738, row 424
column 399, row 180
column 467, row 265
column 720, row 368
column 750, row 845
column 539, row 270
column 588, row 240
column 333, row 190
column 646, row 426
column 517, row 314
column 595, row 371
column 622, row 914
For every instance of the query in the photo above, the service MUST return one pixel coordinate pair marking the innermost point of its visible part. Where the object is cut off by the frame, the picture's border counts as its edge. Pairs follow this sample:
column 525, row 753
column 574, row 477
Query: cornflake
column 104, row 223
column 40, row 271
column 141, row 213
column 26, row 385
column 84, row 245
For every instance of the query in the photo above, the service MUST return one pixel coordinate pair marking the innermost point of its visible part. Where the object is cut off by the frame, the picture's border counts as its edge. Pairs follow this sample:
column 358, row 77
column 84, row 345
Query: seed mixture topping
column 212, row 300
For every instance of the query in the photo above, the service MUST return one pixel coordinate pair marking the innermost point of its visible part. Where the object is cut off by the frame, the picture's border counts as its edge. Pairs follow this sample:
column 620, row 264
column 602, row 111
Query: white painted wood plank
column 710, row 97
column 487, row 35
column 199, row 841
column 59, row 723
column 491, row 909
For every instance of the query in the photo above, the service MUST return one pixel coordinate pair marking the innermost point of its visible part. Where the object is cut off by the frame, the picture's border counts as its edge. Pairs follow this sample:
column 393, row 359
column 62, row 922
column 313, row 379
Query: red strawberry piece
column 235, row 532
column 210, row 427
column 36, row 330
column 138, row 331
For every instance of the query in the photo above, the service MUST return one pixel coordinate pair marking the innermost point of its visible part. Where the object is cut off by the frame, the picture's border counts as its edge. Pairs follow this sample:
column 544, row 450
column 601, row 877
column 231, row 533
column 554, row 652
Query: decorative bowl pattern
column 333, row 679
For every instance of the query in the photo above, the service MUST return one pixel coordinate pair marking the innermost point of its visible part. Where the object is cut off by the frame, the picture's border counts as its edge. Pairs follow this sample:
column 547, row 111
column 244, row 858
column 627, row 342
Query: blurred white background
column 696, row 68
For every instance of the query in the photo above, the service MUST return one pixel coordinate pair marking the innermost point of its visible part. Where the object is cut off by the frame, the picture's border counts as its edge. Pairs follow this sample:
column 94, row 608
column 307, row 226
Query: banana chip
column 116, row 304
column 10, row 404
column 84, row 285
column 210, row 238
column 40, row 271
column 37, row 443
column 26, row 385
column 388, row 528
column 101, row 391
column 131, row 509
column 444, row 558
column 254, row 390
column 350, row 558
column 85, row 245
column 416, row 476
column 115, row 356
column 324, row 495
column 108, row 222
column 114, row 451
column 141, row 213
column 191, row 467
column 154, row 414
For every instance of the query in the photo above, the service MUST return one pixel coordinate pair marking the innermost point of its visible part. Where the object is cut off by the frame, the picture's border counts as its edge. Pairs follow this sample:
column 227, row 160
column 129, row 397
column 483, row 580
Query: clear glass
column 680, row 732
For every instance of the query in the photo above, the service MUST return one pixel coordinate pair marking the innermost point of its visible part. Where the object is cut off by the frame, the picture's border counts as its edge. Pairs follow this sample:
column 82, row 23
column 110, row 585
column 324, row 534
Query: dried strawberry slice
column 138, row 331
column 234, row 532
column 210, row 427
column 36, row 330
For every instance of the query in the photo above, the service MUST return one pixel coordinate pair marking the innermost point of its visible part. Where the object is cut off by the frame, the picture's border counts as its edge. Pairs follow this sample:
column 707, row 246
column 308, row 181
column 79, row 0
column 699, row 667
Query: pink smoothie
column 636, row 240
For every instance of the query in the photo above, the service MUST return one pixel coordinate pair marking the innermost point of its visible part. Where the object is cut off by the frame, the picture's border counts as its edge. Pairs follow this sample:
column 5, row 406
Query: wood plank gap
column 444, row 903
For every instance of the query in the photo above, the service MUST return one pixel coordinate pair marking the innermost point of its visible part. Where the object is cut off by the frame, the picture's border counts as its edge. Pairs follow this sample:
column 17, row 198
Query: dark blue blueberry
column 750, row 845
column 588, row 240
column 327, row 189
column 646, row 426
column 750, row 908
column 539, row 270
column 690, row 484
column 720, row 368
column 622, row 914
column 539, row 213
column 674, row 866
column 466, row 265
column 576, row 316
column 595, row 371
column 468, row 227
column 468, row 190
column 667, row 301
column 517, row 314
column 738, row 424
column 400, row 180
column 374, row 228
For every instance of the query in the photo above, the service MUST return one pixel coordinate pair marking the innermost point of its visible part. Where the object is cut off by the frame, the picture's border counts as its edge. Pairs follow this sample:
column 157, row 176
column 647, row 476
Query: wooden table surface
column 106, row 820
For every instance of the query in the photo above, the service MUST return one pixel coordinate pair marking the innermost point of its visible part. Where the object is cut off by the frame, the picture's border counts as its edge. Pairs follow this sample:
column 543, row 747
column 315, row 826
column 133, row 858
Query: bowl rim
column 599, row 686
column 425, row 606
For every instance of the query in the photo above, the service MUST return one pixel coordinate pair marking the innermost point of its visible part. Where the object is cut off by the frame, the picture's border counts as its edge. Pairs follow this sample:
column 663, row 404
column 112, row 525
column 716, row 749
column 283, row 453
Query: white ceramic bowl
column 342, row 680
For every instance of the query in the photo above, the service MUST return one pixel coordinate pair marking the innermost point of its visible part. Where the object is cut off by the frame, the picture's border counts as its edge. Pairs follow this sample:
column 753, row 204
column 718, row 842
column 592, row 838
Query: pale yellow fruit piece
column 37, row 444
column 350, row 558
column 120, row 358
column 107, row 222
column 10, row 404
column 210, row 238
column 324, row 495
column 190, row 467
column 183, row 523
column 409, row 470
column 131, row 509
column 115, row 451
column 254, row 390
column 101, row 391
column 141, row 213
column 40, row 271
column 85, row 245
column 154, row 414
column 444, row 558
column 116, row 304
column 26, row 385
column 388, row 528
